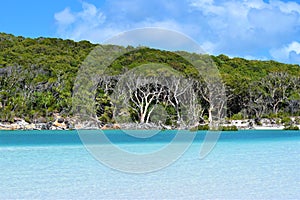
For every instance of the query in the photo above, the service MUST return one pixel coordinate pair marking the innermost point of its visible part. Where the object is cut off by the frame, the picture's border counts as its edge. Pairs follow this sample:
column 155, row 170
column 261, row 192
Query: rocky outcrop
column 39, row 124
column 140, row 126
column 87, row 125
column 59, row 124
column 111, row 126
column 68, row 123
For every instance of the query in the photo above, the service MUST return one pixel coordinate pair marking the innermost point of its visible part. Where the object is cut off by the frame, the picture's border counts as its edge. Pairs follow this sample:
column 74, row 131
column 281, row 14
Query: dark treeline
column 37, row 78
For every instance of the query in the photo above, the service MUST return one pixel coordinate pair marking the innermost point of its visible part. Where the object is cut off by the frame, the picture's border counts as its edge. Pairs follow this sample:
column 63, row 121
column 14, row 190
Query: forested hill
column 37, row 76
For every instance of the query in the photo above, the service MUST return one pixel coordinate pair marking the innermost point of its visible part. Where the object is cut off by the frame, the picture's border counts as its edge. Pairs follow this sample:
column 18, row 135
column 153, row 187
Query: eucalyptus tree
column 276, row 91
column 149, row 87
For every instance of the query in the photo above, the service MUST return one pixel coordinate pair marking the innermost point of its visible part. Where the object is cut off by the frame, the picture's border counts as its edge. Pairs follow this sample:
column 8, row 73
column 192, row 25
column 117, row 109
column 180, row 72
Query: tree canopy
column 37, row 79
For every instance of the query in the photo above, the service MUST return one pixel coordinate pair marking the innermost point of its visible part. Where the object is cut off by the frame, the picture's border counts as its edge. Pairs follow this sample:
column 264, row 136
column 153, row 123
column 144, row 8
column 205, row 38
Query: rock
column 44, row 127
column 4, row 128
column 116, row 126
column 62, row 126
column 60, row 120
column 78, row 126
column 143, row 126
column 49, row 125
column 111, row 126
column 87, row 125
column 30, row 127
column 41, row 120
column 70, row 126
column 107, row 127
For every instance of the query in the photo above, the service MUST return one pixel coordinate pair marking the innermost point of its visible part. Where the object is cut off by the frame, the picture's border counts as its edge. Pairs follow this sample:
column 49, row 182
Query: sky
column 252, row 29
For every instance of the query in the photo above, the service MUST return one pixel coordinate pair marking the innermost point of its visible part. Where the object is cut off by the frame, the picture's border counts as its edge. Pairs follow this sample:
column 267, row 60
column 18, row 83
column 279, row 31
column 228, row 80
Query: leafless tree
column 143, row 93
column 255, row 101
column 182, row 97
column 213, row 92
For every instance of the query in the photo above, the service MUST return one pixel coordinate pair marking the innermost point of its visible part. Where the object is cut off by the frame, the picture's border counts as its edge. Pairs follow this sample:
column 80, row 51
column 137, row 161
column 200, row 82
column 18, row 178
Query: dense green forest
column 37, row 78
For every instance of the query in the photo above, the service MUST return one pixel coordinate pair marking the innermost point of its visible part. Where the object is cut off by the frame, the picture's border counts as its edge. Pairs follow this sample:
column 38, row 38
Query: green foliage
column 297, row 121
column 142, row 56
column 238, row 116
column 206, row 127
column 229, row 128
column 291, row 128
column 37, row 79
column 286, row 120
column 37, row 75
column 104, row 108
column 203, row 127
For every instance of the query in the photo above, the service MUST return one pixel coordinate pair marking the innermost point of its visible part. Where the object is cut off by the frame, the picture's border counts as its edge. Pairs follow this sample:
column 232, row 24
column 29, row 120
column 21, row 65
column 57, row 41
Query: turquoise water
column 243, row 165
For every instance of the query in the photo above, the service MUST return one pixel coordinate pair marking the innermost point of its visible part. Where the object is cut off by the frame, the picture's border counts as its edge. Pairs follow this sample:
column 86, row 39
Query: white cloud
column 208, row 47
column 79, row 25
column 207, row 6
column 289, row 53
column 286, row 7
column 64, row 17
column 294, row 57
column 238, row 28
column 243, row 28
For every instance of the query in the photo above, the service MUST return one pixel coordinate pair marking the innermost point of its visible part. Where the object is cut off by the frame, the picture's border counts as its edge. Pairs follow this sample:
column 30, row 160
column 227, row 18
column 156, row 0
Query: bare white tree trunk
column 214, row 93
column 142, row 95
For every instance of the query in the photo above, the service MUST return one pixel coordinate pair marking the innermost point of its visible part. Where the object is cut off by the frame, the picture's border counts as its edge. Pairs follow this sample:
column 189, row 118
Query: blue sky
column 253, row 29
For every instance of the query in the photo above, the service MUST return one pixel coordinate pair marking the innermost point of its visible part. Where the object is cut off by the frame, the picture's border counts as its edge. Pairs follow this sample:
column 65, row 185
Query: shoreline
column 258, row 128
column 73, row 124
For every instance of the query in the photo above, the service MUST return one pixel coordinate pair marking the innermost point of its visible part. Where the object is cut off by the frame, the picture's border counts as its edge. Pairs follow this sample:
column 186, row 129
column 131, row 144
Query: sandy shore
column 268, row 127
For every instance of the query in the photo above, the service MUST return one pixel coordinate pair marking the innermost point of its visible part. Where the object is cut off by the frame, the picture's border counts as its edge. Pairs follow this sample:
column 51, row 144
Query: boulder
column 59, row 124
column 60, row 120
column 107, row 127
column 41, row 120
column 116, row 126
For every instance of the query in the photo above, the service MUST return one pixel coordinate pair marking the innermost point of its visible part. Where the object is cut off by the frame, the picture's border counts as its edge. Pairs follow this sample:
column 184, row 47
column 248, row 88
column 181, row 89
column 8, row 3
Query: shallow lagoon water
column 243, row 165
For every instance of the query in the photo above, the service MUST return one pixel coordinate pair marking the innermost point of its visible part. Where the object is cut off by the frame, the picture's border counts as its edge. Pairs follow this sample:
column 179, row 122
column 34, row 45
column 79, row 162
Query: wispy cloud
column 79, row 25
column 252, row 28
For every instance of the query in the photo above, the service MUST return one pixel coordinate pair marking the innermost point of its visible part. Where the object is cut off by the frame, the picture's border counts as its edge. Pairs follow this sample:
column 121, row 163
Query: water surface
column 243, row 165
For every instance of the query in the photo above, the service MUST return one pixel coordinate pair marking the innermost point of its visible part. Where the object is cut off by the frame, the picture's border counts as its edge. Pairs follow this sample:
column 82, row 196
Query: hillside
column 37, row 78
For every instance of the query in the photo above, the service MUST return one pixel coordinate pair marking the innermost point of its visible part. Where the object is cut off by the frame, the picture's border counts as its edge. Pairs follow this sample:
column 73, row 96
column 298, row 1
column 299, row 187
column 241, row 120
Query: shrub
column 291, row 127
column 286, row 120
column 203, row 127
column 237, row 116
column 206, row 127
column 297, row 120
column 229, row 128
